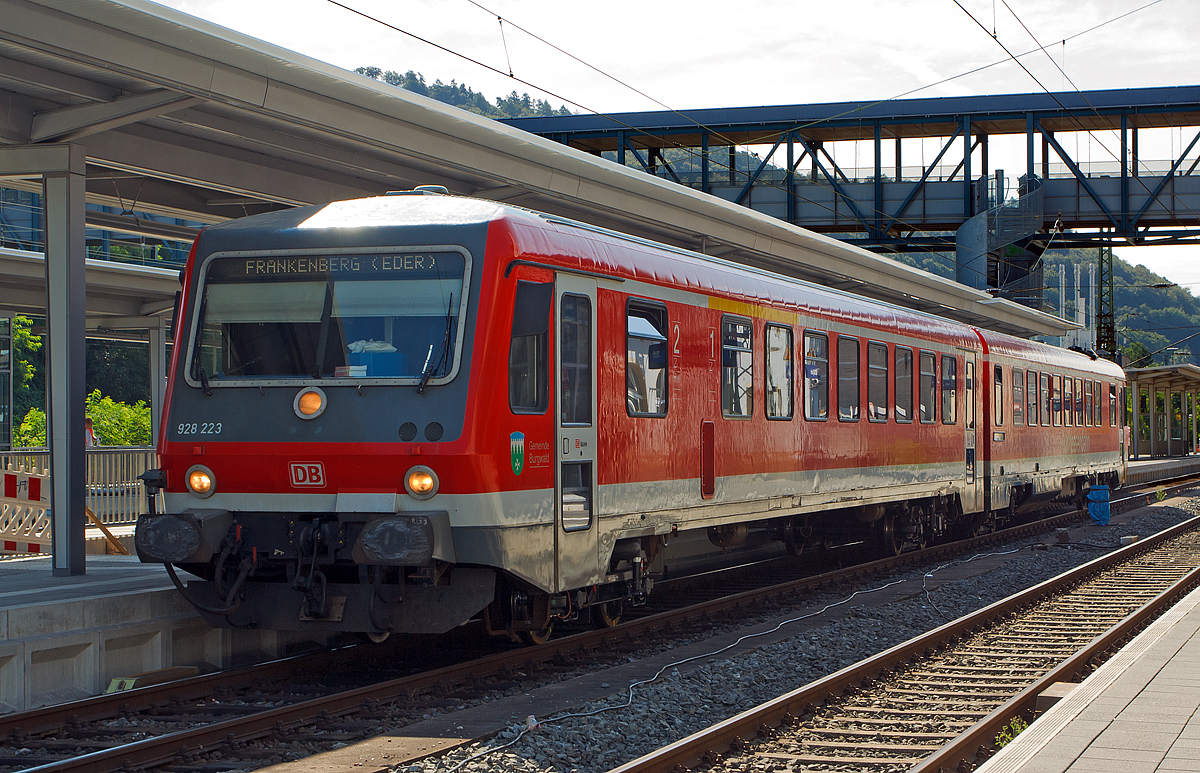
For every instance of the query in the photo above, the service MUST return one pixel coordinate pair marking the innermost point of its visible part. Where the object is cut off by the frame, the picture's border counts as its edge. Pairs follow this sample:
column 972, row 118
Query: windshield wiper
column 197, row 342
column 433, row 365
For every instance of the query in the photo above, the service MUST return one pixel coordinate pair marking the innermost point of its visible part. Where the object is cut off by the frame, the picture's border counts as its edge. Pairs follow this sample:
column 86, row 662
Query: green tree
column 115, row 424
column 119, row 424
column 29, row 382
column 462, row 96
column 119, row 369
column 31, row 433
column 1136, row 355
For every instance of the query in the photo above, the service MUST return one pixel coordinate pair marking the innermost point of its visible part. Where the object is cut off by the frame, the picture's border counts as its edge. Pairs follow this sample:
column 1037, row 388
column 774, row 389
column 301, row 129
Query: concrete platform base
column 65, row 638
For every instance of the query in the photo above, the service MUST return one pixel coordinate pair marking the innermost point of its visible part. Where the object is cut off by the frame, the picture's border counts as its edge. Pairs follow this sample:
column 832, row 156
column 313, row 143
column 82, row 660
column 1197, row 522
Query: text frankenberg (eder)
column 338, row 264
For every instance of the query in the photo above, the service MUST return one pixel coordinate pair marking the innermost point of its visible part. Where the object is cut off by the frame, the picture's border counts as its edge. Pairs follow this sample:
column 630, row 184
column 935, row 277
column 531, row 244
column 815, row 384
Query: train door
column 576, row 527
column 971, row 418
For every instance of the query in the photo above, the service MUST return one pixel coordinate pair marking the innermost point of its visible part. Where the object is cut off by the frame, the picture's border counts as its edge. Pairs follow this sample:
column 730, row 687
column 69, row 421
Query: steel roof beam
column 70, row 123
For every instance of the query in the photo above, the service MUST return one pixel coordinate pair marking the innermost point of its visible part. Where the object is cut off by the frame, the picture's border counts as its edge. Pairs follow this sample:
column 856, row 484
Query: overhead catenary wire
column 870, row 210
column 1083, row 96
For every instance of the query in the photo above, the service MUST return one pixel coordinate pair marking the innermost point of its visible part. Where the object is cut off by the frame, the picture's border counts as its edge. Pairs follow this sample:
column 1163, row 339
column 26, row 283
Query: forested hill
column 1149, row 316
column 462, row 96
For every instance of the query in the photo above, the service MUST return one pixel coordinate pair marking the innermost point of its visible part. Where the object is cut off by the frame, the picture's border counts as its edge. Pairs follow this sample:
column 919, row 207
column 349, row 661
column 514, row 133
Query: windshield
column 388, row 315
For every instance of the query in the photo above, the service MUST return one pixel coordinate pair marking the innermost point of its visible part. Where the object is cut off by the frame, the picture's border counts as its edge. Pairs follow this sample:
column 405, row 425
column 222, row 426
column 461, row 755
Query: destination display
column 382, row 266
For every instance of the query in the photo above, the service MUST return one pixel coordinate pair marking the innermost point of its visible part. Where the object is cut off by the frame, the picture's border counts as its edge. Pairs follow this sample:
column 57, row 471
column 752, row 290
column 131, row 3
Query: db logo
column 307, row 473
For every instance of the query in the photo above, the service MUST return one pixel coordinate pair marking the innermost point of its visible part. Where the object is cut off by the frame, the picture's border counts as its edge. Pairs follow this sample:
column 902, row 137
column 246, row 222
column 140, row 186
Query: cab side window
column 529, row 348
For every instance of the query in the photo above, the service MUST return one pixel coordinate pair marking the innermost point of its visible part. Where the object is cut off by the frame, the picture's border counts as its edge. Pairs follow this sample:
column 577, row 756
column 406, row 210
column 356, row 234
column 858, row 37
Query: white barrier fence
column 24, row 513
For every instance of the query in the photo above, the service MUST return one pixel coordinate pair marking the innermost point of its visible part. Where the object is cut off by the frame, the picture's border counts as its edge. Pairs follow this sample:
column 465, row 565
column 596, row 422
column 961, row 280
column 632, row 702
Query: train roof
column 1046, row 355
column 606, row 251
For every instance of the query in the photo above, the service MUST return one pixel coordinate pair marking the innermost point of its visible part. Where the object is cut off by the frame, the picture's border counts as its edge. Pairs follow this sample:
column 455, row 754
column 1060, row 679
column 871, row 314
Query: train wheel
column 375, row 637
column 608, row 614
column 538, row 607
column 890, row 541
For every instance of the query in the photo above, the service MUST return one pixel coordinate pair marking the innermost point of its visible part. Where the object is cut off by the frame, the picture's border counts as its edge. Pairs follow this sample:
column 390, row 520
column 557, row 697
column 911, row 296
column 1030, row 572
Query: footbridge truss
column 888, row 203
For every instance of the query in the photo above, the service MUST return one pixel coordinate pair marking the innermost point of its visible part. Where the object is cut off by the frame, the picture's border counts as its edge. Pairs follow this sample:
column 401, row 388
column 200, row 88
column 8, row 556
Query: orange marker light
column 310, row 403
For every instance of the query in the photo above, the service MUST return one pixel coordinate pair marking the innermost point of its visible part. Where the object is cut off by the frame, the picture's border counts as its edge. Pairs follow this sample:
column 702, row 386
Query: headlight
column 309, row 403
column 201, row 481
column 421, row 482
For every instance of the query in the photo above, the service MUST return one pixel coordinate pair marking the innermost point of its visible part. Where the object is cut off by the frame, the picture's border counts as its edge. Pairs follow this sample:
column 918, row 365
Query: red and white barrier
column 24, row 513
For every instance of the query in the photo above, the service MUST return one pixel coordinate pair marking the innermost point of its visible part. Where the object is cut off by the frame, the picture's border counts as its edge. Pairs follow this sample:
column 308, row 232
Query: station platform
column 1148, row 470
column 65, row 638
column 1137, row 713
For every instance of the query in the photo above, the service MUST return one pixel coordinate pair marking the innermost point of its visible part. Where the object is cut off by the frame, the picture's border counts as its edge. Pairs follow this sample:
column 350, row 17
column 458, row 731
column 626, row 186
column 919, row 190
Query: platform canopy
column 186, row 119
column 1156, row 436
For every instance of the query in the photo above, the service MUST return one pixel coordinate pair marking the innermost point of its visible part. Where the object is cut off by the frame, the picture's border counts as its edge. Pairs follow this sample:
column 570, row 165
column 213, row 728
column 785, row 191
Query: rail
column 114, row 492
column 777, row 716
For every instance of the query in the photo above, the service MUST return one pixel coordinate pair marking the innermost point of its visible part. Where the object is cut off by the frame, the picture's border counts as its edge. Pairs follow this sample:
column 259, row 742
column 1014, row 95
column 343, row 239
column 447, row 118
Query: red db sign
column 307, row 474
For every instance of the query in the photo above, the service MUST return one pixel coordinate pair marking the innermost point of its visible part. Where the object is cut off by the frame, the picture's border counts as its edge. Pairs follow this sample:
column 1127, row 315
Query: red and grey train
column 405, row 412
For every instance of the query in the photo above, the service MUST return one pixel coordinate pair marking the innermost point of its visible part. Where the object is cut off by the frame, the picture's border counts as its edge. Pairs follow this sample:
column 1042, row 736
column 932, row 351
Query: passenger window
column 645, row 360
column 528, row 350
column 928, row 396
column 877, row 382
column 816, row 376
column 1031, row 396
column 779, row 372
column 848, row 397
column 1056, row 402
column 1089, row 418
column 1045, row 399
column 1018, row 397
column 737, row 368
column 904, row 384
column 1112, row 405
column 576, row 365
column 1082, row 416
column 998, row 397
column 1068, row 404
column 950, row 389
column 1098, row 412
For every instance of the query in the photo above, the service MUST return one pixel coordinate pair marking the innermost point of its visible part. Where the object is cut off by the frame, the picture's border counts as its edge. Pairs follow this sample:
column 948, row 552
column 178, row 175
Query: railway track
column 937, row 702
column 182, row 723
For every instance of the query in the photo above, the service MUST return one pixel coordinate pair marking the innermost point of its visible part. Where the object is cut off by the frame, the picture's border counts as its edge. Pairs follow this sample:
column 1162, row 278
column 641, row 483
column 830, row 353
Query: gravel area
column 599, row 736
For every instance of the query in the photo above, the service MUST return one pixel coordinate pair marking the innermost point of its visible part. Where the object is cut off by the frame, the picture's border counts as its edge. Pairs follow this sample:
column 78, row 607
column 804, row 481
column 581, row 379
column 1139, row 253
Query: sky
column 683, row 54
